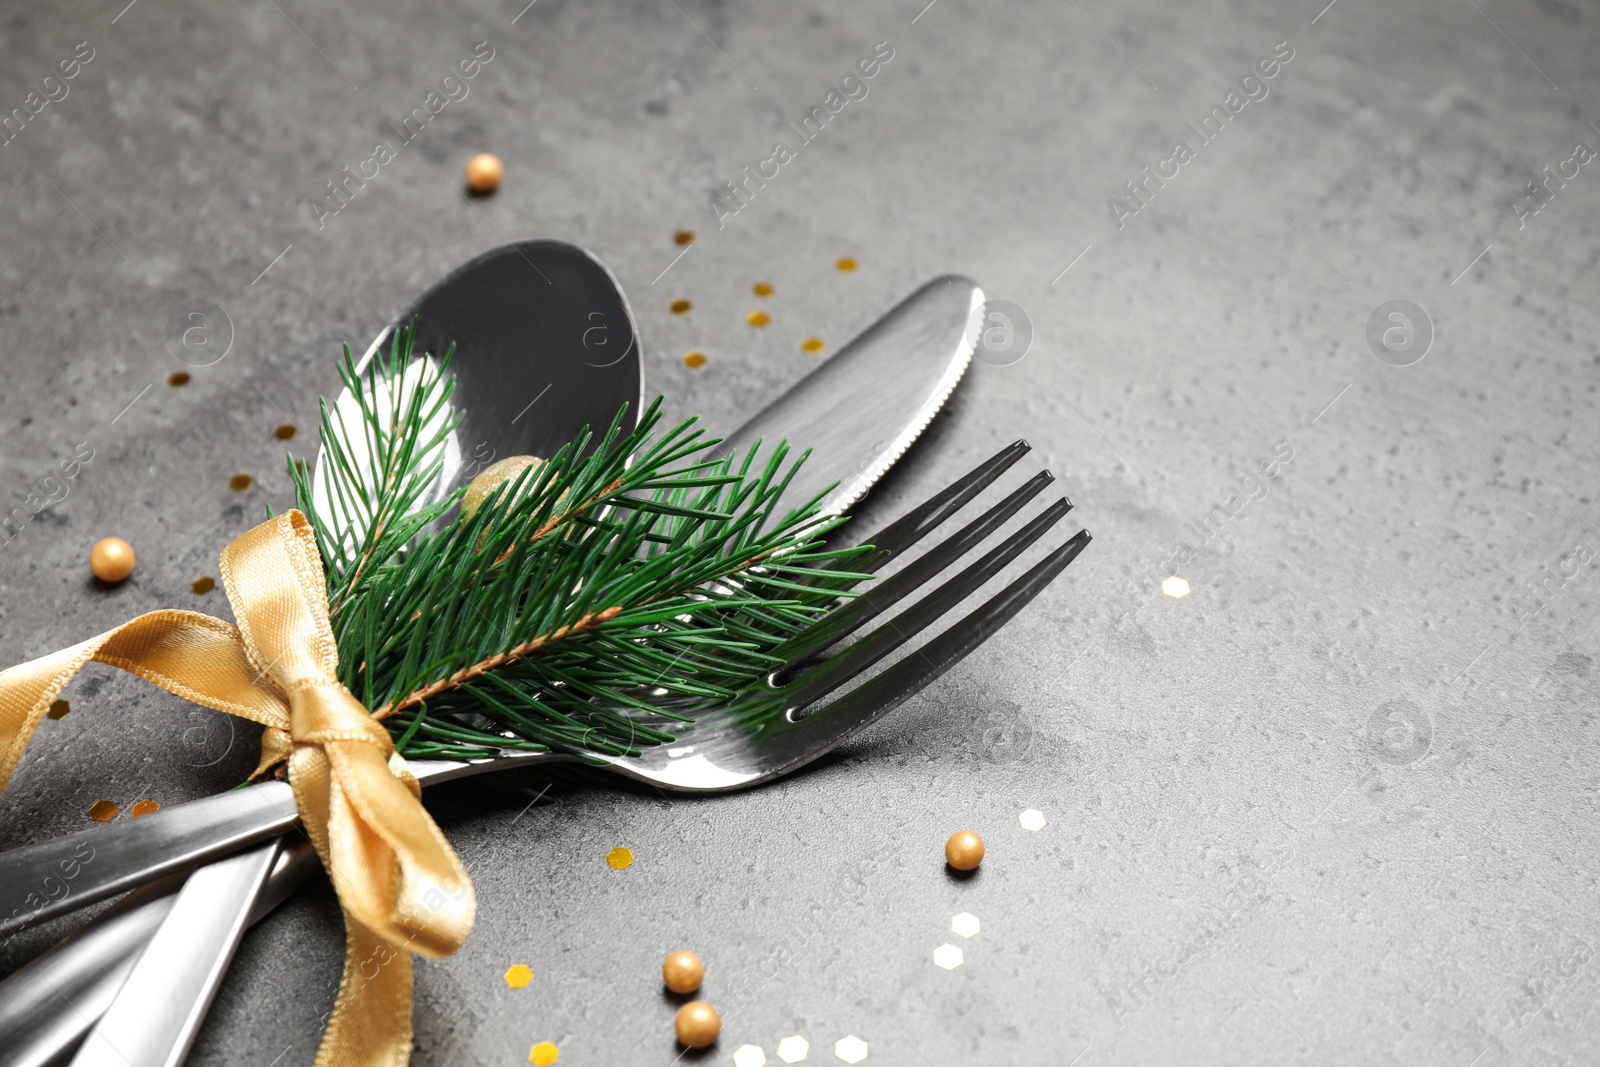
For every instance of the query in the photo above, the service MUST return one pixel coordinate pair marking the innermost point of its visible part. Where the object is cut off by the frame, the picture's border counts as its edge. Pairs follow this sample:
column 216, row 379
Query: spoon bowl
column 545, row 344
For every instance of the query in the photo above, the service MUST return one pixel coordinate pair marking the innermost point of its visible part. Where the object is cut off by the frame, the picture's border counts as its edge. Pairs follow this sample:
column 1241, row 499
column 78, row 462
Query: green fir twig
column 585, row 606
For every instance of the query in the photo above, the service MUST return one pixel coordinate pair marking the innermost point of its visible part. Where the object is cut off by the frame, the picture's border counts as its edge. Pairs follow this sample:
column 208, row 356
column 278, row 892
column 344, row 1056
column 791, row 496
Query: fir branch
column 585, row 606
column 382, row 451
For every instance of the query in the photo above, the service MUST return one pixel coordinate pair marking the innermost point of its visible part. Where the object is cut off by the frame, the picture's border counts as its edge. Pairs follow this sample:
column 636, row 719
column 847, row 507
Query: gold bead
column 683, row 971
column 964, row 850
column 484, row 172
column 111, row 559
column 698, row 1024
column 493, row 477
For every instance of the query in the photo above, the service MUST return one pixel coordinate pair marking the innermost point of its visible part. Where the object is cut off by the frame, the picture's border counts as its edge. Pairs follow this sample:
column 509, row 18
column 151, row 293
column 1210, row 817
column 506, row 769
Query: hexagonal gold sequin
column 793, row 1049
column 966, row 924
column 518, row 975
column 619, row 859
column 749, row 1056
column 947, row 956
column 543, row 1054
column 1032, row 820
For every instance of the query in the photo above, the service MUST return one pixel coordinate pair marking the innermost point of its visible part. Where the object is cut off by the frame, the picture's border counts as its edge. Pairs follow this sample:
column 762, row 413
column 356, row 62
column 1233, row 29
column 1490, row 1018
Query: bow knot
column 322, row 712
column 401, row 886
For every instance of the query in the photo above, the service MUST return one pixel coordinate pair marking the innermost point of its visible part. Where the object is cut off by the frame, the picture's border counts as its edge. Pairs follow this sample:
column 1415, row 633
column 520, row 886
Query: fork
column 773, row 727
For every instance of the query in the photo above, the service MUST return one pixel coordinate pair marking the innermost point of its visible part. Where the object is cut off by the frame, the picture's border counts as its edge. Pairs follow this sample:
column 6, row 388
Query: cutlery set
column 133, row 986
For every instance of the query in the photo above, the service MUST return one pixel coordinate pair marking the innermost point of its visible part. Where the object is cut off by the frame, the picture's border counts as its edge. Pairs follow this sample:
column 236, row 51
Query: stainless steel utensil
column 153, row 1018
column 861, row 410
column 547, row 345
column 774, row 726
column 49, row 1005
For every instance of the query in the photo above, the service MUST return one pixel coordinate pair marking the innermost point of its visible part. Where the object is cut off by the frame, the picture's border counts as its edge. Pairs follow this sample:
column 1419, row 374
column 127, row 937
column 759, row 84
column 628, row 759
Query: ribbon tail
column 370, row 1025
column 401, row 888
column 389, row 861
column 195, row 656
column 433, row 905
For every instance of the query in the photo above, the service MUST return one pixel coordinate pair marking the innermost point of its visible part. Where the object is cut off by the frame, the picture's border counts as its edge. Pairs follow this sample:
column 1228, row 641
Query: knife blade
column 861, row 410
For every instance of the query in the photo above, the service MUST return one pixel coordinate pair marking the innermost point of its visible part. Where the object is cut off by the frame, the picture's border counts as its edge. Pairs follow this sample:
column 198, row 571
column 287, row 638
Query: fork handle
column 41, row 881
column 44, row 880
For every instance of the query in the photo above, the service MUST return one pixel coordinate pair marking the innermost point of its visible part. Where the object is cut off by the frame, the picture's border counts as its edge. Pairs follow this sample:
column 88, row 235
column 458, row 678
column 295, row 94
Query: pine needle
column 586, row 603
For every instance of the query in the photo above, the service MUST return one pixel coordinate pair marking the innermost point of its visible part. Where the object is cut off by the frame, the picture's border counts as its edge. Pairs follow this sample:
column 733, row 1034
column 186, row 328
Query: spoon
column 547, row 346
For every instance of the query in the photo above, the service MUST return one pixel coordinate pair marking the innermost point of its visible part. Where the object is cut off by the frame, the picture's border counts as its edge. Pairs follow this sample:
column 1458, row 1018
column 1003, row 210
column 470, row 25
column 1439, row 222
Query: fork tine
column 916, row 524
column 905, row 679
column 853, row 614
column 911, row 527
column 826, row 676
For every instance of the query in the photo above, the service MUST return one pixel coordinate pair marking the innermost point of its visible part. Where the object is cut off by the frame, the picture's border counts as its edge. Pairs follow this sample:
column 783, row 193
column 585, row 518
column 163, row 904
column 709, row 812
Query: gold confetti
column 102, row 811
column 966, row 924
column 543, row 1054
column 619, row 859
column 846, row 264
column 758, row 319
column 59, row 709
column 1175, row 587
column 285, row 432
column 850, row 1049
column 761, row 289
column 202, row 585
column 683, row 237
column 695, row 359
column 947, row 956
column 177, row 378
column 518, row 977
column 793, row 1049
column 680, row 306
column 144, row 807
column 240, row 482
column 812, row 344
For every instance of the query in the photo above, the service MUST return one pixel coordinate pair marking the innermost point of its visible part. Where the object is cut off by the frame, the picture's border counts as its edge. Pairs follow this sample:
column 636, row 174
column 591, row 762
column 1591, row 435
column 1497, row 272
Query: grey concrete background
column 1254, row 853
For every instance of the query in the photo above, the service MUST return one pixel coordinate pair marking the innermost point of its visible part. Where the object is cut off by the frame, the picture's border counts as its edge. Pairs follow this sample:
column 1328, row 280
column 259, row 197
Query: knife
column 859, row 412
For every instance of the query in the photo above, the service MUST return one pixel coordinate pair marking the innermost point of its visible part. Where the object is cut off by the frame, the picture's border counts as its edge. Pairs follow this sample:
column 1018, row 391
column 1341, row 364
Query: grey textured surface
column 1239, row 866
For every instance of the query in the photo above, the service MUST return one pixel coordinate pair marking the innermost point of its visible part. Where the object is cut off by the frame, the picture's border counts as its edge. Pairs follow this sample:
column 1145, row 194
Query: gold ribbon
column 400, row 884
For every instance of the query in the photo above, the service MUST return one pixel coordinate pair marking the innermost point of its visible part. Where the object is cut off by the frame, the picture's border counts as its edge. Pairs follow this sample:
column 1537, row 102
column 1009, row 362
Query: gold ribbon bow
column 400, row 884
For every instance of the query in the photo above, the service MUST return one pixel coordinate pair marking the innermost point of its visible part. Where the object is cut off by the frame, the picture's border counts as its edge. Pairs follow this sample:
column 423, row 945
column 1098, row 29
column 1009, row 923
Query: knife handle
column 48, row 1005
column 156, row 1015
